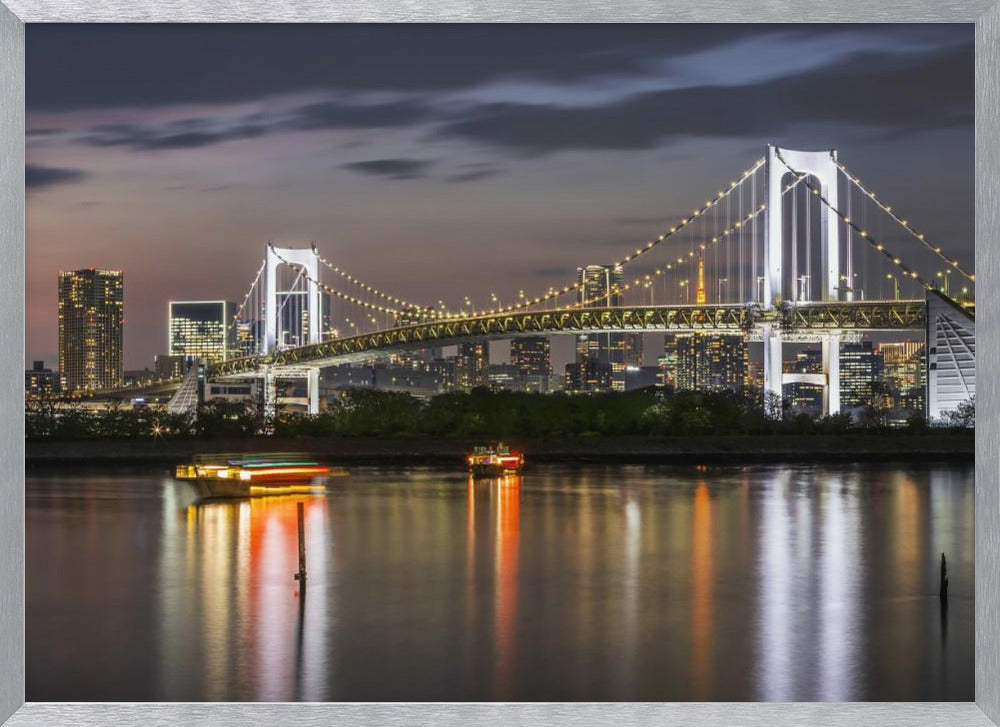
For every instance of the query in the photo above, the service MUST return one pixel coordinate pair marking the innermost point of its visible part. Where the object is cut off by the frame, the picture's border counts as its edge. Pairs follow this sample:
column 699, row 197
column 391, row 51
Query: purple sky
column 440, row 161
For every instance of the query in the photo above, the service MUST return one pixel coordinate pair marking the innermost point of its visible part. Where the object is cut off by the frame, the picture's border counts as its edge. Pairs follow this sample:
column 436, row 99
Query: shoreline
column 860, row 447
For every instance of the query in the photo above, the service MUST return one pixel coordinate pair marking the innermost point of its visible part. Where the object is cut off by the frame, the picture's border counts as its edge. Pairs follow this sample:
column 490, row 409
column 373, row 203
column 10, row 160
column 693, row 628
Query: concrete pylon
column 822, row 165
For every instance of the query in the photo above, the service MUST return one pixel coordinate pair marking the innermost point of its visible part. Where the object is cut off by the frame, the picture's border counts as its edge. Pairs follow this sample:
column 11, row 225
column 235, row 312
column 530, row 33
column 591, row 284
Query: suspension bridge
column 795, row 249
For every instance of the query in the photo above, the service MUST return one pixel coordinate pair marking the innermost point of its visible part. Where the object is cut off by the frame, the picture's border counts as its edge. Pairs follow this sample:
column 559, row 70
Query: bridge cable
column 905, row 223
column 726, row 234
column 879, row 247
column 639, row 251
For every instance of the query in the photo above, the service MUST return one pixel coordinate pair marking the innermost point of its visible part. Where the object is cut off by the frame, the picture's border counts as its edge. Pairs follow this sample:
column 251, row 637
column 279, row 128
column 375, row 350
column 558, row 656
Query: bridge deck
column 894, row 315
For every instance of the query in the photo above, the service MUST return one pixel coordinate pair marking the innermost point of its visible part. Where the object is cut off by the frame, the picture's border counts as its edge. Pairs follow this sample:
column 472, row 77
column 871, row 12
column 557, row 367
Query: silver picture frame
column 985, row 14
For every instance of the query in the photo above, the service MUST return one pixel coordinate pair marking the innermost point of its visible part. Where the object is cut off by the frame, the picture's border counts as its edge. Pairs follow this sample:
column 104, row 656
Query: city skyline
column 504, row 169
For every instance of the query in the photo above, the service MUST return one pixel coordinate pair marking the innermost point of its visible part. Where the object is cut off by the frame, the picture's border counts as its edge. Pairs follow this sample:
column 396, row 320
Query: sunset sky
column 440, row 161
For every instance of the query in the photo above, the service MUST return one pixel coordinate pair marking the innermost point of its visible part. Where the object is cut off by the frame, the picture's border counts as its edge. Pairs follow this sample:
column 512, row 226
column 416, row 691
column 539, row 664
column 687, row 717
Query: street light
column 687, row 290
column 760, row 282
column 726, row 281
column 895, row 284
column 944, row 280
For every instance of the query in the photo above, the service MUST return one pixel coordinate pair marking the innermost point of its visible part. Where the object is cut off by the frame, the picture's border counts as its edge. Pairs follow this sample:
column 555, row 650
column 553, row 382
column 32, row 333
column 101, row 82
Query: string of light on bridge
column 646, row 280
column 423, row 309
column 243, row 304
column 554, row 293
column 864, row 234
column 904, row 223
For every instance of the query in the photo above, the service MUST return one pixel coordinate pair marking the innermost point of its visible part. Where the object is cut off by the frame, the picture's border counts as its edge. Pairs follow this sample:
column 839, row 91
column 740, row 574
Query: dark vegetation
column 479, row 413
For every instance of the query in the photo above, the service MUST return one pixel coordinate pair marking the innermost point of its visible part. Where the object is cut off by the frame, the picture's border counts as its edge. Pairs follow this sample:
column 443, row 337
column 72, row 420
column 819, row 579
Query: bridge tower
column 305, row 262
column 822, row 167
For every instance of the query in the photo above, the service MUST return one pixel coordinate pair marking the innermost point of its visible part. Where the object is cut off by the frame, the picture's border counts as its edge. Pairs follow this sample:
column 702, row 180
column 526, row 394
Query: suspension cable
column 239, row 310
column 879, row 247
column 905, row 223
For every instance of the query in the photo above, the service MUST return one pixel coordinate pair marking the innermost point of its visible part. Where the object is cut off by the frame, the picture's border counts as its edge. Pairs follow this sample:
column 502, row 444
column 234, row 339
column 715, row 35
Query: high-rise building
column 472, row 365
column 202, row 328
column 668, row 362
column 860, row 374
column 91, row 321
column 40, row 381
column 532, row 355
column 711, row 361
column 904, row 374
column 601, row 287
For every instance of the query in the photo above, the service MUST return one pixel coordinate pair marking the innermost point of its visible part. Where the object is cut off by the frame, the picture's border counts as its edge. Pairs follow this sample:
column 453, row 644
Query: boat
column 256, row 475
column 494, row 461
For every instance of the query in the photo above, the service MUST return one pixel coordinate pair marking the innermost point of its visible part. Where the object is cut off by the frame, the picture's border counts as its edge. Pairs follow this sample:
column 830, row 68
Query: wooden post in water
column 943, row 591
column 301, row 575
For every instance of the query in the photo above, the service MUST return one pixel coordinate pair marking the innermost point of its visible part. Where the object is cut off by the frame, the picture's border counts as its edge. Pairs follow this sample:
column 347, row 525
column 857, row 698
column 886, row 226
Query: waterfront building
column 505, row 376
column 860, row 375
column 588, row 375
column 40, row 381
column 711, row 361
column 472, row 365
column 641, row 377
column 202, row 328
column 91, row 320
column 532, row 355
column 166, row 366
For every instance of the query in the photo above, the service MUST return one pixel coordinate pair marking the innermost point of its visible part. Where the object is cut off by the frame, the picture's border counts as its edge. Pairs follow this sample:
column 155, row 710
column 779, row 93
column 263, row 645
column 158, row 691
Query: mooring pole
column 943, row 592
column 301, row 575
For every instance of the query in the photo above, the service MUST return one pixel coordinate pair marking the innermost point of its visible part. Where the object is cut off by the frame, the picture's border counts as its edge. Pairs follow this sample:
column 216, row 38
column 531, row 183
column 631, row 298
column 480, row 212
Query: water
column 778, row 583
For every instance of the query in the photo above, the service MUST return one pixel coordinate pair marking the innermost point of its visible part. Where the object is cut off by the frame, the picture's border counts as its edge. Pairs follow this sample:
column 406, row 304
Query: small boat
column 256, row 475
column 494, row 461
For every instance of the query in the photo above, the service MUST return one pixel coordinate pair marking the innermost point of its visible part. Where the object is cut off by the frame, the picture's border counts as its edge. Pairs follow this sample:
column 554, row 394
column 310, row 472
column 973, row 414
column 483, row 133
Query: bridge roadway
column 888, row 315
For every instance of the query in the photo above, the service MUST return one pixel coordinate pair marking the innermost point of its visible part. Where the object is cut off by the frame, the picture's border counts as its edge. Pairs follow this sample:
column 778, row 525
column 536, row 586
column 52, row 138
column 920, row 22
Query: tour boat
column 494, row 461
column 252, row 475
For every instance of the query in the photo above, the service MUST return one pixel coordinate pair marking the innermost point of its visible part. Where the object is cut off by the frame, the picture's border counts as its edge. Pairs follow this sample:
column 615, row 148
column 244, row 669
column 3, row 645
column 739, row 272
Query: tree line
column 479, row 413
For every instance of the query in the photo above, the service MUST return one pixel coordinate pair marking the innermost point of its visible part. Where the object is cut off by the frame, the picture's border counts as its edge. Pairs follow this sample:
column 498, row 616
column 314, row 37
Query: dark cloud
column 474, row 172
column 392, row 168
column 895, row 95
column 39, row 177
column 335, row 115
column 193, row 133
column 157, row 65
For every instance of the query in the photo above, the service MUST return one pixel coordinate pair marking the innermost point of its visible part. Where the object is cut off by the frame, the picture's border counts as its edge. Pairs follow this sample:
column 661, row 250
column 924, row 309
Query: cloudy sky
column 440, row 161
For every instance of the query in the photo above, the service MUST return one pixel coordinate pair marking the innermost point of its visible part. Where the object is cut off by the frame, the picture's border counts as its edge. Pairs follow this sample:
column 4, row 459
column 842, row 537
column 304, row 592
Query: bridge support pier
column 772, row 371
column 312, row 384
column 831, row 367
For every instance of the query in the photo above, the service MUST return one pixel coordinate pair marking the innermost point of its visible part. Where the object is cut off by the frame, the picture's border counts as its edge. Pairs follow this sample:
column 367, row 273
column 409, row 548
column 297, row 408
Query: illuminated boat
column 245, row 475
column 495, row 461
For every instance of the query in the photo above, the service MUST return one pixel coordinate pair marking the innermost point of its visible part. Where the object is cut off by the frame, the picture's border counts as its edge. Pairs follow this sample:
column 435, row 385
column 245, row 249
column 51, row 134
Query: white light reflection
column 840, row 571
column 774, row 678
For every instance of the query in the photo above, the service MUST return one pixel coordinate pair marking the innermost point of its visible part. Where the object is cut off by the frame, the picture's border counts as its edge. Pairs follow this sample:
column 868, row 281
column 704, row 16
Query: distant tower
column 700, row 299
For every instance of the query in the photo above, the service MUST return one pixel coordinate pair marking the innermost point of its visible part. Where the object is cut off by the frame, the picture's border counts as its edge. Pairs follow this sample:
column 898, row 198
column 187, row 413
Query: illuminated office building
column 711, row 361
column 533, row 357
column 202, row 328
column 90, row 329
column 601, row 287
column 472, row 365
column 860, row 374
column 40, row 381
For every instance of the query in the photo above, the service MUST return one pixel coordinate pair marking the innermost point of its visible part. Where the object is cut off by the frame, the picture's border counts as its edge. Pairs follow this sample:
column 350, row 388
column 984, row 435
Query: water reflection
column 621, row 583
